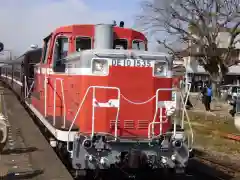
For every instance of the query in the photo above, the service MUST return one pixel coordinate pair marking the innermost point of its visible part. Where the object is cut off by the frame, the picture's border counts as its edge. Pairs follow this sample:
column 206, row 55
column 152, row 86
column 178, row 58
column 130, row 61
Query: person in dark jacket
column 203, row 89
column 207, row 96
column 233, row 103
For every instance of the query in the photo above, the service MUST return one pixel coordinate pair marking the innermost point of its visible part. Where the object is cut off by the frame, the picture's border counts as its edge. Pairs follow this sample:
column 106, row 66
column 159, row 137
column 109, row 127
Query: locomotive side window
column 60, row 52
column 138, row 45
column 61, row 48
column 120, row 44
column 83, row 43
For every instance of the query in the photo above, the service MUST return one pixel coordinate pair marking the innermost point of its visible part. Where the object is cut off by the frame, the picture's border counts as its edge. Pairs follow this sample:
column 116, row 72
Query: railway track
column 211, row 168
column 206, row 158
column 228, row 170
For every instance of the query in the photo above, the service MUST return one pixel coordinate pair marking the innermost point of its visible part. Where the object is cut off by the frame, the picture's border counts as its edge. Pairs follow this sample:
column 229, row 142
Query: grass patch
column 223, row 123
column 207, row 129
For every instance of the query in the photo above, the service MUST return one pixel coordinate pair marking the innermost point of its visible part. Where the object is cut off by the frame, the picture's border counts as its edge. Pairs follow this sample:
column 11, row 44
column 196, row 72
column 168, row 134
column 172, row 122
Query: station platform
column 27, row 154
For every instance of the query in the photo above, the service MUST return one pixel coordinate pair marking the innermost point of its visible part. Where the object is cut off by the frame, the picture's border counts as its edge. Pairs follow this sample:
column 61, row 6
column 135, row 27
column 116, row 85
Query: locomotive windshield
column 138, row 45
column 83, row 43
column 120, row 44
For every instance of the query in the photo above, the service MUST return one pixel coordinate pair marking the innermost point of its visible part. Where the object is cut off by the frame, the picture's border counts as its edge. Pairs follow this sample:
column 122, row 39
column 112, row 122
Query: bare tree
column 197, row 25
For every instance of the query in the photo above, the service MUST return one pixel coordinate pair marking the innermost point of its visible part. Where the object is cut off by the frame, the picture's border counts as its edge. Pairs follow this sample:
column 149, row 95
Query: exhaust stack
column 103, row 36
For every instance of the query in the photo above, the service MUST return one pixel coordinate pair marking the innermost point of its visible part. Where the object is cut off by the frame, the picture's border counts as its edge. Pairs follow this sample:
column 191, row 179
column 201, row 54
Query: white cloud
column 26, row 22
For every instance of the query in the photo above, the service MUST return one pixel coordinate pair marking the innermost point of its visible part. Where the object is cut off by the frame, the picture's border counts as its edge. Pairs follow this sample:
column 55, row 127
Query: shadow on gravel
column 197, row 167
column 19, row 150
column 22, row 175
column 201, row 170
column 199, row 153
column 215, row 159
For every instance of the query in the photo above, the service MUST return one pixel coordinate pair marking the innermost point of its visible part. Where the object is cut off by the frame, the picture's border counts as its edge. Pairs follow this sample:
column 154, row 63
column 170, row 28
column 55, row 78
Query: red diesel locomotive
column 103, row 96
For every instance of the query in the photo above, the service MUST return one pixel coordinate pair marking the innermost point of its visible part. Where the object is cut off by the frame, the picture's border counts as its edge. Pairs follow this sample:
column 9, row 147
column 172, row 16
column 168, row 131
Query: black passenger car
column 20, row 68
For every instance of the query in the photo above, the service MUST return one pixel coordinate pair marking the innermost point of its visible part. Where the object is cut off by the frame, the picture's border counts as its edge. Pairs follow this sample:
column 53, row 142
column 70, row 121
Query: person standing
column 207, row 96
column 203, row 94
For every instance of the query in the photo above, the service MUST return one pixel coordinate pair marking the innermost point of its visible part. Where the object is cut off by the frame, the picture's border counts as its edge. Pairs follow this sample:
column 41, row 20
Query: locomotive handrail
column 63, row 101
column 26, row 90
column 188, row 119
column 93, row 108
column 45, row 95
column 183, row 102
column 119, row 95
column 138, row 103
column 93, row 119
column 156, row 110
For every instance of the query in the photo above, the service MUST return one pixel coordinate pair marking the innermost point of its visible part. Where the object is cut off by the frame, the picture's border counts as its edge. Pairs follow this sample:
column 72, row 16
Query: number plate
column 131, row 62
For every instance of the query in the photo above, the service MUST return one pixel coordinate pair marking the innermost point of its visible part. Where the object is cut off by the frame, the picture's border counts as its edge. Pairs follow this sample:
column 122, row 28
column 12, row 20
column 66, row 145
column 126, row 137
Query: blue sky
column 26, row 22
column 125, row 8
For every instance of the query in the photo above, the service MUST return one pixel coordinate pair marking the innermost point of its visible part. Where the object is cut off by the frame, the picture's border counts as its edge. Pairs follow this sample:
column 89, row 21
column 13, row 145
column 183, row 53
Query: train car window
column 83, row 43
column 16, row 71
column 120, row 44
column 138, row 45
column 61, row 48
column 9, row 70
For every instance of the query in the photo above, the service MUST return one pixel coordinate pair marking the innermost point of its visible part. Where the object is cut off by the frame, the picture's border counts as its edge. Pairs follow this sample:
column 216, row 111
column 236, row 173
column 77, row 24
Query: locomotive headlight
column 177, row 143
column 100, row 66
column 160, row 69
